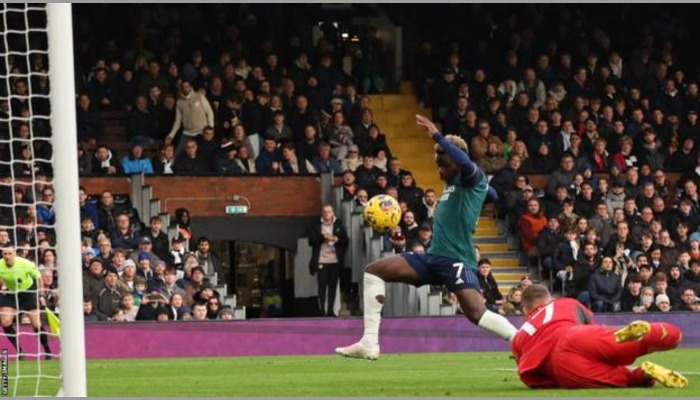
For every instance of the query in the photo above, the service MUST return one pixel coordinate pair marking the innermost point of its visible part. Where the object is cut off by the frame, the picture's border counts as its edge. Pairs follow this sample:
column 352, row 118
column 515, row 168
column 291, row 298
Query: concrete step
column 405, row 137
column 403, row 119
column 413, row 160
column 509, row 270
column 398, row 117
column 411, row 142
column 489, row 240
column 487, row 223
column 497, row 247
column 485, row 232
column 504, row 262
column 405, row 112
column 509, row 277
column 395, row 114
column 393, row 101
column 499, row 254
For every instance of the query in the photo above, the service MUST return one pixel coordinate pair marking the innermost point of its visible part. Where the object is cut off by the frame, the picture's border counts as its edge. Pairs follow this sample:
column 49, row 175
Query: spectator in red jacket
column 530, row 225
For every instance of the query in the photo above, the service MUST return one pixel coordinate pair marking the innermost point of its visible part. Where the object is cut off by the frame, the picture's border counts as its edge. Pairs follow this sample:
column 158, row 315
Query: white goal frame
column 66, row 181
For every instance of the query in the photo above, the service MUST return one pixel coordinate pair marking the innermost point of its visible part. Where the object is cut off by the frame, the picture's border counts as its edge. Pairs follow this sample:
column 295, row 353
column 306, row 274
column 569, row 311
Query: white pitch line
column 506, row 369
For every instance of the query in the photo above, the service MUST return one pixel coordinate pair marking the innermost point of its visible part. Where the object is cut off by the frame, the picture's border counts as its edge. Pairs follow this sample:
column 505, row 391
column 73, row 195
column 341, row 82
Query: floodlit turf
column 406, row 375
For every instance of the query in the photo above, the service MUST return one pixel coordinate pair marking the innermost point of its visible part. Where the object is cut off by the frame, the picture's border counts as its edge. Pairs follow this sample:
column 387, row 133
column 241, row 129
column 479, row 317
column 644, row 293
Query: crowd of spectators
column 239, row 104
column 612, row 122
column 616, row 131
column 131, row 270
column 246, row 106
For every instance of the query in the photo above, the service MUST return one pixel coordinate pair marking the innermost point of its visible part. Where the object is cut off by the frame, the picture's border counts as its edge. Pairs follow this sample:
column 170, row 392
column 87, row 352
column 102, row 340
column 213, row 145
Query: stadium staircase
column 148, row 206
column 395, row 115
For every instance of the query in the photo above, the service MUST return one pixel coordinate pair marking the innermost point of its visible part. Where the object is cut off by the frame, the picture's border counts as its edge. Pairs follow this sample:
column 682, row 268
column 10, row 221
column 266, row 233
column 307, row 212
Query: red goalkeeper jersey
column 536, row 339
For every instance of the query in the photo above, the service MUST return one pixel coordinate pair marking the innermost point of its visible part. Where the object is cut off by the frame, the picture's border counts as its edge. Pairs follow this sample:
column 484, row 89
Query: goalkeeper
column 22, row 281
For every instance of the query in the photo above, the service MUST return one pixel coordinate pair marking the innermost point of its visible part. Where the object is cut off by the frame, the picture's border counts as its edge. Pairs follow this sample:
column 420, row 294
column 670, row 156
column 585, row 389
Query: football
column 382, row 213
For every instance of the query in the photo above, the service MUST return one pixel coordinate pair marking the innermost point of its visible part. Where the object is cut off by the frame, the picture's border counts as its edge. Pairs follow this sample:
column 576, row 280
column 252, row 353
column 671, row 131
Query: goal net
column 39, row 212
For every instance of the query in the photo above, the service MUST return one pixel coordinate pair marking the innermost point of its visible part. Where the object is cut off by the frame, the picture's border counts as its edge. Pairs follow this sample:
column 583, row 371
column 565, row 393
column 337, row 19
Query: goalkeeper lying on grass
column 559, row 345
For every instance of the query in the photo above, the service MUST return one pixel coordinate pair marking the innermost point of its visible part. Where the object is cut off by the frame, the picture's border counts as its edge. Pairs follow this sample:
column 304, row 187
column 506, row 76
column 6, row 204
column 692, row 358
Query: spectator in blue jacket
column 135, row 162
column 325, row 162
column 88, row 209
column 268, row 159
column 45, row 210
column 124, row 236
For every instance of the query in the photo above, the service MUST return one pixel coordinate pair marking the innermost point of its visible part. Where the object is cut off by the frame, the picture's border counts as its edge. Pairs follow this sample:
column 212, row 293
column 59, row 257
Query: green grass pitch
column 485, row 374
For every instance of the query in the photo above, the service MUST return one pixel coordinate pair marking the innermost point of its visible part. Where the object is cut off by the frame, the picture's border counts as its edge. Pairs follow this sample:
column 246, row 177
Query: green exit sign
column 236, row 209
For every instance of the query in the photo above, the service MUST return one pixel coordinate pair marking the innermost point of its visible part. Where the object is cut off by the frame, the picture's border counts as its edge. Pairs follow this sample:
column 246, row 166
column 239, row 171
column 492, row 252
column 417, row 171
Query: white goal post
column 66, row 182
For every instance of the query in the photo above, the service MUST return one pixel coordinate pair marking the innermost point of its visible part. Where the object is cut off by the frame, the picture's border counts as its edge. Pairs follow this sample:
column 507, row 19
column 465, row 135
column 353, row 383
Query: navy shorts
column 435, row 270
column 25, row 300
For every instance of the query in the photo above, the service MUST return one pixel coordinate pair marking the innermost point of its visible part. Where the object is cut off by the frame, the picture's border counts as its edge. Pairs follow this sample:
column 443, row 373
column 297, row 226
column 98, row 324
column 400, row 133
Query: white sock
column 374, row 286
column 498, row 325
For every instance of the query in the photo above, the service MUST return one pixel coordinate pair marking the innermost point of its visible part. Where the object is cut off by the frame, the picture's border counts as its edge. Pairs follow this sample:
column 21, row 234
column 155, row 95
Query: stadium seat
column 122, row 199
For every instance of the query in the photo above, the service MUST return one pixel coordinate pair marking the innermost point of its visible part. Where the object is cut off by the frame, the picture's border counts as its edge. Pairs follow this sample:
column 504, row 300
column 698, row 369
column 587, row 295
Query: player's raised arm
column 458, row 156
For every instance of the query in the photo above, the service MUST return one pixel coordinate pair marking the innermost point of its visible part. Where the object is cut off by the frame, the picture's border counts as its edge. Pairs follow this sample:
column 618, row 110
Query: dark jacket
column 370, row 147
column 365, row 177
column 605, row 286
column 227, row 166
column 161, row 245
column 108, row 216
column 581, row 275
column 627, row 301
column 100, row 168
column 559, row 177
column 563, row 256
column 185, row 165
column 142, row 123
column 108, row 302
column 692, row 281
column 92, row 285
column 129, row 241
column 412, row 195
column 504, row 180
column 88, row 124
column 675, row 290
column 547, row 242
column 653, row 156
column 489, row 288
column 147, row 312
column 316, row 239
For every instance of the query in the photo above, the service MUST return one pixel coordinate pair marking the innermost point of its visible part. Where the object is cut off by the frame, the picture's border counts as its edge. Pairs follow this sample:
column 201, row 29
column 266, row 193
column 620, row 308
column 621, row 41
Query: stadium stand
column 551, row 100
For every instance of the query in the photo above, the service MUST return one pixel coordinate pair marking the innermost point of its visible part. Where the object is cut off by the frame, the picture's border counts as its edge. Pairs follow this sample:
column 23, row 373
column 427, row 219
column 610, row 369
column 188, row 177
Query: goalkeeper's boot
column 635, row 330
column 666, row 377
column 359, row 350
